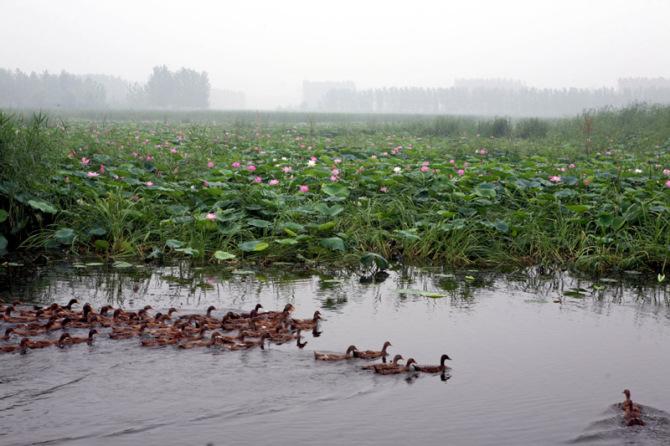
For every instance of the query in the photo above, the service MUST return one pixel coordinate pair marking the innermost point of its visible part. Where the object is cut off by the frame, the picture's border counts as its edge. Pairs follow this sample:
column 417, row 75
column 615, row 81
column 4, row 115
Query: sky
column 267, row 48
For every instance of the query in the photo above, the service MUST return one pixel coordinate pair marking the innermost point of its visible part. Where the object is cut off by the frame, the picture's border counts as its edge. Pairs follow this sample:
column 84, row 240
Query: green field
column 590, row 192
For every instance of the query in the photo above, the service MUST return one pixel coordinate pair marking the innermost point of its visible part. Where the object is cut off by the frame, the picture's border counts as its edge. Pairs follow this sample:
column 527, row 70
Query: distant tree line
column 481, row 100
column 44, row 90
column 165, row 89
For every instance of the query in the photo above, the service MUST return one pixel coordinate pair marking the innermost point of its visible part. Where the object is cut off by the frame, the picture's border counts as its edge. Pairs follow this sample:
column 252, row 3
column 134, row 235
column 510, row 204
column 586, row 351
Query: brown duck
column 306, row 324
column 394, row 363
column 434, row 368
column 324, row 356
column 373, row 354
column 395, row 370
column 20, row 347
column 632, row 412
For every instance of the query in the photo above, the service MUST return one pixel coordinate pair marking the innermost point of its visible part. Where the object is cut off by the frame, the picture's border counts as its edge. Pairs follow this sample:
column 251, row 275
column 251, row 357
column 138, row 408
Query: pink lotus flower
column 211, row 216
column 452, row 161
column 149, row 183
column 313, row 158
column 92, row 174
column 251, row 168
column 424, row 169
column 210, row 164
column 173, row 150
column 287, row 169
column 572, row 166
column 666, row 172
column 426, row 163
column 460, row 172
column 383, row 189
column 102, row 168
column 303, row 188
column 333, row 178
column 273, row 182
column 337, row 161
column 562, row 169
column 483, row 151
column 205, row 183
column 667, row 183
column 149, row 158
column 85, row 161
column 335, row 172
column 236, row 164
column 555, row 179
column 258, row 180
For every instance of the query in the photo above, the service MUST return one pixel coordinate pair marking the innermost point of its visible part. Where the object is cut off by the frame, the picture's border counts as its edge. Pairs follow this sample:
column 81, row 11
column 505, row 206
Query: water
column 526, row 370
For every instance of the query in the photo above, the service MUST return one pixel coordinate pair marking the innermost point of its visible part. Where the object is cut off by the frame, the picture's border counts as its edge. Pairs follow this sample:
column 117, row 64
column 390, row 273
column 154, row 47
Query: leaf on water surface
column 243, row 272
column 42, row 206
column 333, row 243
column 65, row 236
column 407, row 234
column 94, row 264
column 223, row 255
column 253, row 246
column 370, row 258
column 578, row 208
column 258, row 223
column 430, row 294
column 287, row 241
column 3, row 215
column 121, row 264
column 174, row 244
column 97, row 231
column 188, row 251
column 575, row 292
column 335, row 190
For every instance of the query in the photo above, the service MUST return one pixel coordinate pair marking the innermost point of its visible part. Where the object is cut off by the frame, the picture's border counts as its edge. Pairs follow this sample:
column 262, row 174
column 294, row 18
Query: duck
column 279, row 337
column 306, row 324
column 202, row 342
column 159, row 341
column 372, row 354
column 81, row 339
column 10, row 348
column 252, row 314
column 127, row 332
column 284, row 314
column 63, row 340
column 42, row 343
column 632, row 412
column 245, row 343
column 395, row 370
column 325, row 356
column 434, row 368
column 394, row 363
column 7, row 317
column 7, row 335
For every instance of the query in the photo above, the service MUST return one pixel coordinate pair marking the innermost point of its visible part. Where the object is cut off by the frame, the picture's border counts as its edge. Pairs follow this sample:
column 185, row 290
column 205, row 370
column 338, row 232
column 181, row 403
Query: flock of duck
column 36, row 327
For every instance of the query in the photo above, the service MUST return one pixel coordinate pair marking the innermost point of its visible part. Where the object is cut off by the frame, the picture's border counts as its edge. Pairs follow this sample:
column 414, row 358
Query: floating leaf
column 42, row 206
column 243, row 272
column 335, row 190
column 253, row 246
column 174, row 244
column 370, row 258
column 334, row 243
column 259, row 223
column 188, row 251
column 223, row 255
column 431, row 294
column 65, row 236
column 407, row 235
column 287, row 241
column 121, row 264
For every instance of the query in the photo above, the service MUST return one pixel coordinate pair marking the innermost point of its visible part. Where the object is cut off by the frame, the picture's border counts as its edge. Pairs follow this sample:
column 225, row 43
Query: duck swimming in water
column 434, row 368
column 395, row 370
column 324, row 356
column 373, row 354
column 393, row 364
column 632, row 412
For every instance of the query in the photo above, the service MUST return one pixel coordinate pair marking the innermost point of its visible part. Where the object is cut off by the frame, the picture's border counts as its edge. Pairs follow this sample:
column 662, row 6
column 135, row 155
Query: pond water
column 530, row 364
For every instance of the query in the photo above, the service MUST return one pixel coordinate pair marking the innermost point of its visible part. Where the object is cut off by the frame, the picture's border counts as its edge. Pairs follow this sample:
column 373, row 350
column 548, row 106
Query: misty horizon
column 267, row 50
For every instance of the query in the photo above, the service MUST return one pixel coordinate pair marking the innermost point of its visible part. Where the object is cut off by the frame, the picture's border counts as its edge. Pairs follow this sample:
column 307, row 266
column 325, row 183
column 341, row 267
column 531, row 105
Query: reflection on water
column 537, row 359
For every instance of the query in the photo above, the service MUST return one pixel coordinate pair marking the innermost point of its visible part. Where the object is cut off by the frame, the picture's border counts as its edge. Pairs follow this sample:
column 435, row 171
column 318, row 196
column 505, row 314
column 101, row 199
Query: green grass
column 609, row 210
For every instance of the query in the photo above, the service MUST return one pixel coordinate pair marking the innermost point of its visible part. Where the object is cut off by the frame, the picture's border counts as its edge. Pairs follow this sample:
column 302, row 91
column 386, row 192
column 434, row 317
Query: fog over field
column 258, row 54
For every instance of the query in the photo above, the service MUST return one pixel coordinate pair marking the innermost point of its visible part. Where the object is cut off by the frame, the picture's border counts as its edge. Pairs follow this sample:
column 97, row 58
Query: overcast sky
column 267, row 48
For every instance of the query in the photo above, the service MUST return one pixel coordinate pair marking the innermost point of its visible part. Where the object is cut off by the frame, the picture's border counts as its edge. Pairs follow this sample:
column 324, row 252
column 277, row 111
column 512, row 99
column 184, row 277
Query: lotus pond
column 314, row 193
column 537, row 359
